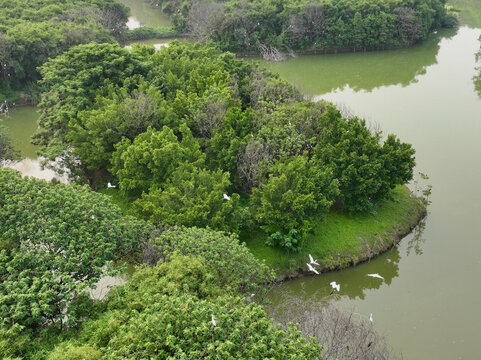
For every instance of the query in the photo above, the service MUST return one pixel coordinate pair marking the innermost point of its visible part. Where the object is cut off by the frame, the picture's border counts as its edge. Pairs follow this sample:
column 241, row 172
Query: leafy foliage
column 192, row 197
column 238, row 269
column 366, row 169
column 181, row 127
column 166, row 311
column 7, row 150
column 31, row 32
column 62, row 237
column 254, row 25
column 294, row 191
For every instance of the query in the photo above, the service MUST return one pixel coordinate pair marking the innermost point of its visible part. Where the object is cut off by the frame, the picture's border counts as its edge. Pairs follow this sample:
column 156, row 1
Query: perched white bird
column 370, row 318
column 109, row 185
column 213, row 321
column 312, row 261
column 93, row 217
column 226, row 197
column 312, row 269
column 375, row 276
column 335, row 285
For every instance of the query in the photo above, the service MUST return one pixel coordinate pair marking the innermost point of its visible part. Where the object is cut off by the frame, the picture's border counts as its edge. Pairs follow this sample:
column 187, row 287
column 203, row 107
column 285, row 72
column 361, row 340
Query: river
column 429, row 305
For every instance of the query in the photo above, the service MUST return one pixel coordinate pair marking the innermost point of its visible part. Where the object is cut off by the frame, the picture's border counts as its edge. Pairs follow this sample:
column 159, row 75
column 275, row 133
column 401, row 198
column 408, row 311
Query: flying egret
column 312, row 269
column 312, row 261
column 109, row 185
column 226, row 197
column 370, row 318
column 213, row 321
column 375, row 276
column 335, row 285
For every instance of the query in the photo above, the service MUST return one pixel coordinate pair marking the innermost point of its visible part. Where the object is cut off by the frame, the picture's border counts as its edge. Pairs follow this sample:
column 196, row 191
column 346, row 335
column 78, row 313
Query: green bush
column 238, row 269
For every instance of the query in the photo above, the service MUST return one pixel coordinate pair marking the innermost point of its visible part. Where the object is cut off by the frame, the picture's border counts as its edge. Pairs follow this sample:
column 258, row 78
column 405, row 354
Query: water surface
column 144, row 14
column 429, row 305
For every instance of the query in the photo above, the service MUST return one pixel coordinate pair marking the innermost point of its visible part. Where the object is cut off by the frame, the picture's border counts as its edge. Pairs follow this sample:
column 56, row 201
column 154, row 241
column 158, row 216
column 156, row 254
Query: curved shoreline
column 381, row 245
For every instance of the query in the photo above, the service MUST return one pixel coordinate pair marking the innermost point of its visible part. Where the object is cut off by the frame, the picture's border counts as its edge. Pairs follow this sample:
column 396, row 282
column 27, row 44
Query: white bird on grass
column 312, row 261
column 375, row 276
column 312, row 269
column 226, row 197
column 213, row 321
column 335, row 286
column 109, row 185
column 370, row 318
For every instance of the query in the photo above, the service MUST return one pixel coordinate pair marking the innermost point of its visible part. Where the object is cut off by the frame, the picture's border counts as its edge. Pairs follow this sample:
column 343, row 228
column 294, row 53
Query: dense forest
column 262, row 25
column 195, row 137
column 31, row 32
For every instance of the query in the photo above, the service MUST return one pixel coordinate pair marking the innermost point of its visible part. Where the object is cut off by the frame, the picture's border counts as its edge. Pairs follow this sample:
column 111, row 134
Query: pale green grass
column 336, row 240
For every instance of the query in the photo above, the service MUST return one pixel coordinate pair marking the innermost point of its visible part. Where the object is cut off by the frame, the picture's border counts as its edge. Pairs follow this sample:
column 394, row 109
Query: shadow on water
column 317, row 290
column 320, row 74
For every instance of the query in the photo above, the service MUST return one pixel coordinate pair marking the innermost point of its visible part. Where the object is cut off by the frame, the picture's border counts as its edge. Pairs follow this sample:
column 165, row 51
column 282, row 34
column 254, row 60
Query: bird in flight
column 375, row 276
column 335, row 285
column 312, row 261
column 312, row 269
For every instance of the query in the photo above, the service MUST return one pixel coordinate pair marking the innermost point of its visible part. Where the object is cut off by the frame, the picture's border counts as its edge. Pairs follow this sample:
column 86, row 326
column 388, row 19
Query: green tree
column 72, row 81
column 152, row 158
column 123, row 114
column 237, row 268
column 294, row 191
column 192, row 197
column 7, row 151
column 366, row 169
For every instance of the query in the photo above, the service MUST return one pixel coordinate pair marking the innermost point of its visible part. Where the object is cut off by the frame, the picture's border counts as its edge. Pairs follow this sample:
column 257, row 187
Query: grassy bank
column 342, row 239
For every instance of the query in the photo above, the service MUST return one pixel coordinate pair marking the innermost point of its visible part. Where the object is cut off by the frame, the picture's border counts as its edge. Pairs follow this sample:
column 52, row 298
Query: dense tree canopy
column 257, row 25
column 196, row 137
column 60, row 239
column 7, row 150
column 179, row 309
column 33, row 31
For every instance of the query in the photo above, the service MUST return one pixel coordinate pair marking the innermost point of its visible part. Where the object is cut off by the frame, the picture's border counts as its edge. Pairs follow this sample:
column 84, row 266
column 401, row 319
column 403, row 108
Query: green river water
column 429, row 305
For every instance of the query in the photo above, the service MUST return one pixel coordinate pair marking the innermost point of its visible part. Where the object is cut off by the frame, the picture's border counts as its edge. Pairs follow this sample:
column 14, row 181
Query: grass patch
column 118, row 199
column 342, row 239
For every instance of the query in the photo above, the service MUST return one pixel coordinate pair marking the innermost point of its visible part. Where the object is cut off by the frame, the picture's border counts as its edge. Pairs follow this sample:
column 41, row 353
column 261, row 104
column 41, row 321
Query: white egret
column 370, row 318
column 213, row 321
column 335, row 286
column 312, row 261
column 312, row 269
column 93, row 217
column 226, row 197
column 109, row 185
column 375, row 276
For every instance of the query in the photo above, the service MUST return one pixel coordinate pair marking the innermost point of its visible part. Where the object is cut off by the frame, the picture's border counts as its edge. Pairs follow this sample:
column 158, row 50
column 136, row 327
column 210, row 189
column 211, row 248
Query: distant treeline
column 33, row 31
column 249, row 26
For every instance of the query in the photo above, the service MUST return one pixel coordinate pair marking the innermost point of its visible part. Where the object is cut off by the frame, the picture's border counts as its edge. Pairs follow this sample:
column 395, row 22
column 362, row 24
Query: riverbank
column 342, row 240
